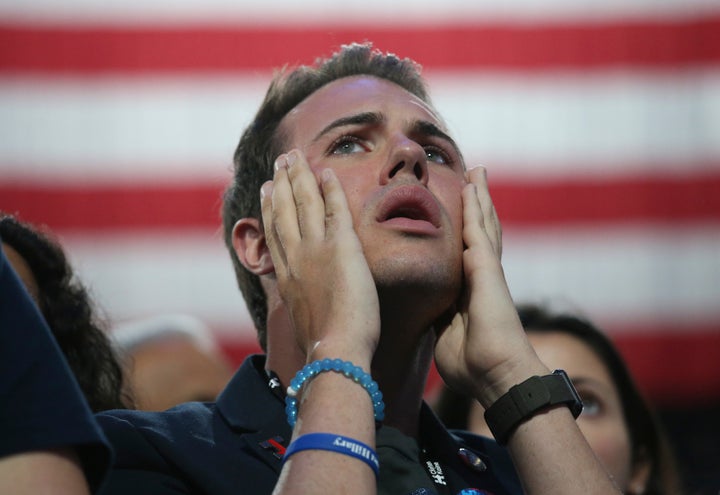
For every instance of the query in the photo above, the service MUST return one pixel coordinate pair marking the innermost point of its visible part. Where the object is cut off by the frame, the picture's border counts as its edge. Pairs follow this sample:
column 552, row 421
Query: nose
column 407, row 158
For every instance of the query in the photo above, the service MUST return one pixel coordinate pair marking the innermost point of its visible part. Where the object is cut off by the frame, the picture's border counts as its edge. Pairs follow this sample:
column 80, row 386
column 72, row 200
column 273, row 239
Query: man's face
column 401, row 173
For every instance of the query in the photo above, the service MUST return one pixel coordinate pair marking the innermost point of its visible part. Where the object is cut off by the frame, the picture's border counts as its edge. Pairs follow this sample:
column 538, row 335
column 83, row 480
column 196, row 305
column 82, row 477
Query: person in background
column 68, row 310
column 49, row 440
column 616, row 421
column 171, row 359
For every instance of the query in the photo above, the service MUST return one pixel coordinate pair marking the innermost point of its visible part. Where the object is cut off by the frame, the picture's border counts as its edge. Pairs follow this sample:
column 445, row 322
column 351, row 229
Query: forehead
column 352, row 95
column 561, row 350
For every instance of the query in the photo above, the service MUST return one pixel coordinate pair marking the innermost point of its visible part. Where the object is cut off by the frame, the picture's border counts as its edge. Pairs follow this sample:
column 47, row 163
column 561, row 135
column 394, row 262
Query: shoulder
column 153, row 449
column 140, row 436
column 191, row 448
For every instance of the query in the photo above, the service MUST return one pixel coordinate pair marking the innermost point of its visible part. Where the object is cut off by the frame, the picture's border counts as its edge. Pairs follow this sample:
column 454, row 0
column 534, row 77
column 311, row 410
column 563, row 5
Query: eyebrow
column 425, row 128
column 580, row 381
column 418, row 127
column 365, row 118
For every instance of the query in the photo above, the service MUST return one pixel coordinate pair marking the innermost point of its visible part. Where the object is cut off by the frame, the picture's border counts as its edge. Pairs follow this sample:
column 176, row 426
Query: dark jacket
column 235, row 446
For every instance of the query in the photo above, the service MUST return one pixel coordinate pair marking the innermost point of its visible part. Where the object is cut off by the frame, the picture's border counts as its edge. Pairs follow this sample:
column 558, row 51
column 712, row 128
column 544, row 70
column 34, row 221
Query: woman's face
column 602, row 420
column 23, row 271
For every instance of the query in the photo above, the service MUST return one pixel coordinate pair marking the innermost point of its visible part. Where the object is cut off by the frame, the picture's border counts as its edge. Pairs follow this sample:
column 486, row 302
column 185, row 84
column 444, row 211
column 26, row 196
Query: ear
column 640, row 476
column 248, row 241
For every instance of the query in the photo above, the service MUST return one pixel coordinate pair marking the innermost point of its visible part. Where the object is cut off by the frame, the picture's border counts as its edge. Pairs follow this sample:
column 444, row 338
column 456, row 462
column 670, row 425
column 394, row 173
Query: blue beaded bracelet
column 335, row 443
column 310, row 371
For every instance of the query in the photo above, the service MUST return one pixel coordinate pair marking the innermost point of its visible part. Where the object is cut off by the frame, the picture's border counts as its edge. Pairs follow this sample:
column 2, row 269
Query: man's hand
column 322, row 274
column 483, row 351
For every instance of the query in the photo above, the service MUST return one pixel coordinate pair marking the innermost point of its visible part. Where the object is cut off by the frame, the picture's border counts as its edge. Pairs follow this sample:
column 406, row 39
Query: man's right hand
column 322, row 274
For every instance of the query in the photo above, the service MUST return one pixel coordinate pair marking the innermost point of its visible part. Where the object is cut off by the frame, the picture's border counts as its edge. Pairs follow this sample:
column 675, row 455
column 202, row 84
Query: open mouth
column 410, row 204
column 408, row 212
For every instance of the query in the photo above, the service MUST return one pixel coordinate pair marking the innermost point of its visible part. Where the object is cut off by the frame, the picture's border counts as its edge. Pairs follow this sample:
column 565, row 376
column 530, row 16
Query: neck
column 401, row 373
column 400, row 365
column 283, row 356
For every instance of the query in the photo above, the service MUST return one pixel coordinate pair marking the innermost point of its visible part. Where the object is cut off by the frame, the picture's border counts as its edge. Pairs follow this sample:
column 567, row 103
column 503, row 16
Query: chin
column 419, row 280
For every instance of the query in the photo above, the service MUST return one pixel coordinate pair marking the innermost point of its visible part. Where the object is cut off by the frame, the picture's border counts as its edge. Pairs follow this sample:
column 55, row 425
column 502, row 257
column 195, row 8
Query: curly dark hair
column 68, row 310
column 261, row 144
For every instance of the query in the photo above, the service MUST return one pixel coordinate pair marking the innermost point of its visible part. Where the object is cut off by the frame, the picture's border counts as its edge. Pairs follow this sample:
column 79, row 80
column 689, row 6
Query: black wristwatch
column 528, row 398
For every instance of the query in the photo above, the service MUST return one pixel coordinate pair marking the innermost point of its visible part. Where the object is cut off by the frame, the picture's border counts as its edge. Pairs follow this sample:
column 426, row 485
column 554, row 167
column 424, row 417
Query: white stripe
column 612, row 275
column 173, row 128
column 377, row 12
column 596, row 123
column 165, row 272
column 64, row 130
column 631, row 273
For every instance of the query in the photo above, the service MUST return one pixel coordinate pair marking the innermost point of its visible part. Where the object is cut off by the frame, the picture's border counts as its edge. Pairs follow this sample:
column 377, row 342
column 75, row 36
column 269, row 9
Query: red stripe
column 223, row 47
column 692, row 198
column 671, row 366
column 109, row 207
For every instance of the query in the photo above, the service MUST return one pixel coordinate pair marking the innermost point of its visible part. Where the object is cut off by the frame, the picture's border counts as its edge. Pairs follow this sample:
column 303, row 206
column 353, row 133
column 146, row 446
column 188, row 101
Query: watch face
column 575, row 403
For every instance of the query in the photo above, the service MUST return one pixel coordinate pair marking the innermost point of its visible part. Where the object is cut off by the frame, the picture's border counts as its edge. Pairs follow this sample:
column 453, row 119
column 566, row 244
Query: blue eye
column 436, row 155
column 591, row 407
column 346, row 145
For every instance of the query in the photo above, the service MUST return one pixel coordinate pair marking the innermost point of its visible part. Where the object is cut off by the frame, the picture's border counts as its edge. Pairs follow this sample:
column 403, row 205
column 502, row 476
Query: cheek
column 611, row 444
column 448, row 190
column 356, row 189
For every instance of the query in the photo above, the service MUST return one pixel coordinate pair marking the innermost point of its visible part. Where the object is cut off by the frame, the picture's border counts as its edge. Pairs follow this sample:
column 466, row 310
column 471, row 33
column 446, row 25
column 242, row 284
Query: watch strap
column 528, row 398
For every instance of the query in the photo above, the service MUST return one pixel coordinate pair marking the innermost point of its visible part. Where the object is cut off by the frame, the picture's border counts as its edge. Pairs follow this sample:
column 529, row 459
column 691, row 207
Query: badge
column 274, row 444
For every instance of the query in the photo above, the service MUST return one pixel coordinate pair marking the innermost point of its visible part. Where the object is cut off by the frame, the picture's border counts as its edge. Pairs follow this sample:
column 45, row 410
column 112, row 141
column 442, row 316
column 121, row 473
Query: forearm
column 51, row 472
column 331, row 403
column 327, row 288
column 548, row 449
column 552, row 456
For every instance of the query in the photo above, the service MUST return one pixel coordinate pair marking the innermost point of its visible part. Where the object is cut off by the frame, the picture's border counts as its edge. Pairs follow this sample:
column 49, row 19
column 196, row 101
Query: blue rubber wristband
column 335, row 443
column 348, row 369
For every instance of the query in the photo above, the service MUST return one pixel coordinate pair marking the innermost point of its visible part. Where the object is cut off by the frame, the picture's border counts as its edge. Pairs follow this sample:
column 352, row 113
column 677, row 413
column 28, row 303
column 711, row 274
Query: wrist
column 347, row 351
column 530, row 398
column 499, row 381
column 343, row 369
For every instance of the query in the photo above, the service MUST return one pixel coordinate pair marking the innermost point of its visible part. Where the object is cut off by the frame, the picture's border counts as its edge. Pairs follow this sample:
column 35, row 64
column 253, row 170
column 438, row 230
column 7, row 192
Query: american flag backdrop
column 599, row 123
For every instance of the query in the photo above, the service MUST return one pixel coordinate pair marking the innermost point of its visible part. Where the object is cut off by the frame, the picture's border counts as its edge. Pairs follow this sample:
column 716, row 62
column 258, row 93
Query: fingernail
column 265, row 189
column 281, row 162
column 326, row 175
column 291, row 158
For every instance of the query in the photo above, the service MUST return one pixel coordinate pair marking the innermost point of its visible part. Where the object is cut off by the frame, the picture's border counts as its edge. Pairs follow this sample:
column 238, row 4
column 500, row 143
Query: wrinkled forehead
column 356, row 94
